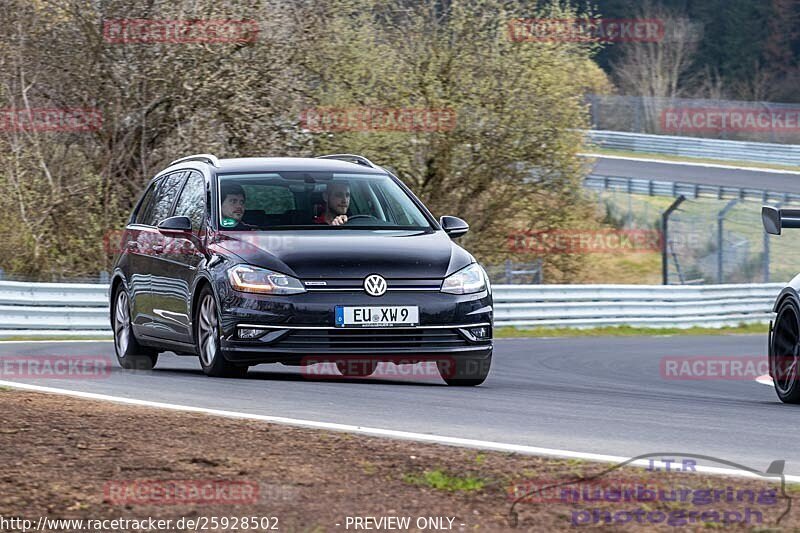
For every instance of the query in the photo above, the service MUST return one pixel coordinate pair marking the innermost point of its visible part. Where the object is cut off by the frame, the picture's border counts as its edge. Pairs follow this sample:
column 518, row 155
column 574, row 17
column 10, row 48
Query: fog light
column 247, row 333
column 480, row 333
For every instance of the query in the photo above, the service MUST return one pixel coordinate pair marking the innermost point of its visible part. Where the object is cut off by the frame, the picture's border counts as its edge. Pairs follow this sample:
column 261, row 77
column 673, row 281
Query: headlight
column 465, row 281
column 260, row 280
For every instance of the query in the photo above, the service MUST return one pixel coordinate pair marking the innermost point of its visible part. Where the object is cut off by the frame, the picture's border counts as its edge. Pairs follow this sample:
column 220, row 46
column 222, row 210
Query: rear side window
column 145, row 204
column 166, row 191
column 192, row 200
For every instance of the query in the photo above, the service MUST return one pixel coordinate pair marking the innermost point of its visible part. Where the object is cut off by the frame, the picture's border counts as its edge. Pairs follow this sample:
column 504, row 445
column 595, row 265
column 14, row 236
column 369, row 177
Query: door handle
column 133, row 245
column 158, row 248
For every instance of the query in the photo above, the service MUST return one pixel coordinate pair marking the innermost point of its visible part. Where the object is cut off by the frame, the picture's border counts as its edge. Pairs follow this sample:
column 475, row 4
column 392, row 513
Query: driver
column 337, row 202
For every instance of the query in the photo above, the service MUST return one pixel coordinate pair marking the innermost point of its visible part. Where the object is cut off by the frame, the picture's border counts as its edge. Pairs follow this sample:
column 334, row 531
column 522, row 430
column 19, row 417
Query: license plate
column 374, row 317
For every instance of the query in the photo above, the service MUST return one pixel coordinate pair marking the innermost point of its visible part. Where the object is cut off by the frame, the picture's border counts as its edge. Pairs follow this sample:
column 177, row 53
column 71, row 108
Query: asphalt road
column 597, row 395
column 692, row 173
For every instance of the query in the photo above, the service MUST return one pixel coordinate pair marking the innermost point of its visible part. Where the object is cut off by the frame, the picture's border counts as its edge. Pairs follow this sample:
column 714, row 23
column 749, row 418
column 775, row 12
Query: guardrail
column 689, row 190
column 46, row 309
column 784, row 154
column 658, row 306
column 81, row 310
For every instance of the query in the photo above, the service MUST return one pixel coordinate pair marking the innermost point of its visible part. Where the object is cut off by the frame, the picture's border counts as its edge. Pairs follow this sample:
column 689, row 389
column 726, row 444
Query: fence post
column 665, row 238
column 720, row 241
column 509, row 272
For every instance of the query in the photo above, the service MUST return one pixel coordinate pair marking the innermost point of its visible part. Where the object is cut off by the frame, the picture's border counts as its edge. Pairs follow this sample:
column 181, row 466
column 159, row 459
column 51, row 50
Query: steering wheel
column 358, row 216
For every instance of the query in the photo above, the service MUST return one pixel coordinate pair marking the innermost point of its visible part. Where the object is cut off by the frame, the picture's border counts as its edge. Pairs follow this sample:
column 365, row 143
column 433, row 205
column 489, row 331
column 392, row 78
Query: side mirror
column 776, row 468
column 454, row 226
column 174, row 225
column 775, row 219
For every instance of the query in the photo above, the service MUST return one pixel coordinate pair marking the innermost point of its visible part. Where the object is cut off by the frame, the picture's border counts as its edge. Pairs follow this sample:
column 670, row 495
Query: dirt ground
column 69, row 458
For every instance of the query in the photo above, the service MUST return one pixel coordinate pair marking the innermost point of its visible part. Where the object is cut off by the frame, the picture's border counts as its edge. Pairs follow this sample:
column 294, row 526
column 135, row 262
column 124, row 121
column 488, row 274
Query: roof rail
column 352, row 158
column 206, row 158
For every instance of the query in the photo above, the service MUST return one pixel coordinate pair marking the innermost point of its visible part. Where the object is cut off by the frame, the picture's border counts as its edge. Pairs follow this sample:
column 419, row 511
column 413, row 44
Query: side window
column 166, row 191
column 192, row 200
column 145, row 205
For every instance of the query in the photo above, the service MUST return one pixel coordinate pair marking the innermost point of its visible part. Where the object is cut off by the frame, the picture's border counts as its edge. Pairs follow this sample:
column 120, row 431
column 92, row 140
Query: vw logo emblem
column 375, row 285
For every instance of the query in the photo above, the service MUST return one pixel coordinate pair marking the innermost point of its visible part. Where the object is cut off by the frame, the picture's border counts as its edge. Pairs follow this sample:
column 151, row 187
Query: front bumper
column 300, row 328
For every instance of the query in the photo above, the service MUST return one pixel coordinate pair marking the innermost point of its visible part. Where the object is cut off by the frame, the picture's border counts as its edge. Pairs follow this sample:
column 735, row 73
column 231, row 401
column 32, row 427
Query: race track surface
column 692, row 173
column 597, row 395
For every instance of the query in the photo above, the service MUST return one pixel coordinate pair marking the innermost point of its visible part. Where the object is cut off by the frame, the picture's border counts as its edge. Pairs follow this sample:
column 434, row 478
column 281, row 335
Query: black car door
column 182, row 256
column 136, row 247
column 152, row 266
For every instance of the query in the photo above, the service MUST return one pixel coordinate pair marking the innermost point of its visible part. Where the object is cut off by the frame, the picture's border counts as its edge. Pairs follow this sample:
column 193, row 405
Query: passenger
column 233, row 207
column 337, row 202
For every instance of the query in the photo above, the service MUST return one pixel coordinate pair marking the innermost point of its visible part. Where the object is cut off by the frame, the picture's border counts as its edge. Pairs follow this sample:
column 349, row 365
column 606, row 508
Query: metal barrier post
column 720, row 241
column 665, row 238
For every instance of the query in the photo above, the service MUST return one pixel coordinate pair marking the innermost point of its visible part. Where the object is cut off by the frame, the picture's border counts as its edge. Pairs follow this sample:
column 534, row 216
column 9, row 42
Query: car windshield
column 315, row 200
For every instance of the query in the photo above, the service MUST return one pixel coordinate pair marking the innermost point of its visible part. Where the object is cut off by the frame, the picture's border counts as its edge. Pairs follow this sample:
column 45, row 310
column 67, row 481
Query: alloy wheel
column 122, row 324
column 209, row 326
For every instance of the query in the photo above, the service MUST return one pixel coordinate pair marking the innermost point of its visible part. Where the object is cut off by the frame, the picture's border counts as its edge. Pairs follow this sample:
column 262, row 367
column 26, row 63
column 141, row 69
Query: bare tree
column 157, row 100
column 509, row 161
column 657, row 69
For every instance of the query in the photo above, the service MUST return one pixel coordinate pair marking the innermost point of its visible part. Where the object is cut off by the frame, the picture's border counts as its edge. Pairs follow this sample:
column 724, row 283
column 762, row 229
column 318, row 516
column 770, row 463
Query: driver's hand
column 338, row 221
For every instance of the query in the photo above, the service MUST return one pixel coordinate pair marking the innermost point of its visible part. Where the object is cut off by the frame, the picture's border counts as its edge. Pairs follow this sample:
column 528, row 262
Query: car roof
column 277, row 164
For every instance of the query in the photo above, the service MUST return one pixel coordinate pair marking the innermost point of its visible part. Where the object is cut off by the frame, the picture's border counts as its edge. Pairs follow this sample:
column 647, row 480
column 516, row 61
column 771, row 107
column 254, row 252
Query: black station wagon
column 296, row 261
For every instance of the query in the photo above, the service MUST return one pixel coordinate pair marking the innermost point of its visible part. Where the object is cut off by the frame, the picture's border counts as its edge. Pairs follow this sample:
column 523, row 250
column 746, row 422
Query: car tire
column 356, row 368
column 784, row 352
column 130, row 354
column 464, row 371
column 207, row 340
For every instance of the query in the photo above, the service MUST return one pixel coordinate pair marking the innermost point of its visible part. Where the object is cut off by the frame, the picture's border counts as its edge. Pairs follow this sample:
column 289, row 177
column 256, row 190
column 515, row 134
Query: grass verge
column 440, row 480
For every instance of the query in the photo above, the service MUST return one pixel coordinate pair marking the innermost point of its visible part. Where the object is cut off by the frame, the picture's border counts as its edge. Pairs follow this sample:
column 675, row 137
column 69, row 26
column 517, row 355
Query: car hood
column 348, row 254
